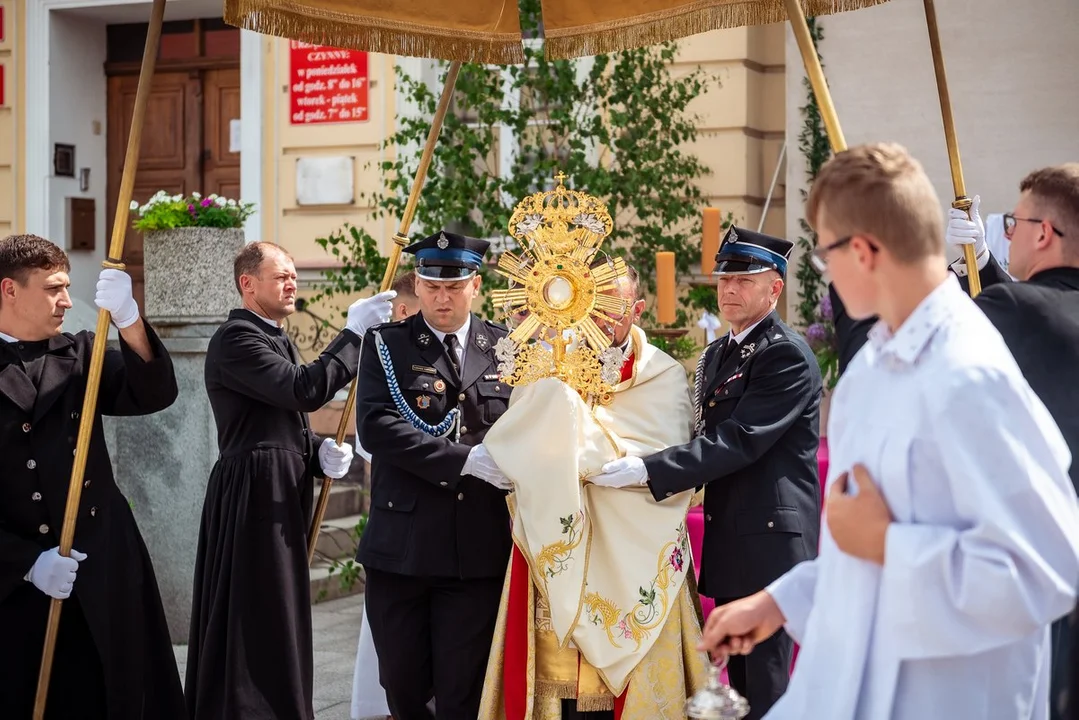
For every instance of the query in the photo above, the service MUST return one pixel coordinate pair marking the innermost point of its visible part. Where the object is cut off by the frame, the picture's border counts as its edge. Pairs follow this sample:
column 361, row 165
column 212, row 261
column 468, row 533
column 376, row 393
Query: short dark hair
column 1055, row 190
column 20, row 255
column 249, row 260
column 405, row 284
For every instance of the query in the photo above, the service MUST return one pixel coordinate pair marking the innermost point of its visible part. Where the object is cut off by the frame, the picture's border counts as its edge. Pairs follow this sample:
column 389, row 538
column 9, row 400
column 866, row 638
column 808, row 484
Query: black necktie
column 451, row 350
column 730, row 349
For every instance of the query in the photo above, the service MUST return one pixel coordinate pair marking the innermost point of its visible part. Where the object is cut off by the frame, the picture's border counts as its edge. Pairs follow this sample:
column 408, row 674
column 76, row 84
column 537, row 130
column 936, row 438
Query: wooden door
column 169, row 156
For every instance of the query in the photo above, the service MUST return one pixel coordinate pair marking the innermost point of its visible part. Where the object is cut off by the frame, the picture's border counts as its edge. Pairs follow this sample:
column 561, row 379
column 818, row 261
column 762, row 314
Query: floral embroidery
column 553, row 559
column 652, row 602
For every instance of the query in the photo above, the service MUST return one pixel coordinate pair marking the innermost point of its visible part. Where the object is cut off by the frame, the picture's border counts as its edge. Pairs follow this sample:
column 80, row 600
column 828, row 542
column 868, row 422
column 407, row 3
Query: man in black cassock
column 1038, row 317
column 113, row 656
column 250, row 653
column 437, row 542
column 757, row 396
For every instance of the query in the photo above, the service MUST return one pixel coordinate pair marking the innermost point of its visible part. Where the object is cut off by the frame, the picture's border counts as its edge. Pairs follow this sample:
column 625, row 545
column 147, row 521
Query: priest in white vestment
column 599, row 612
column 951, row 534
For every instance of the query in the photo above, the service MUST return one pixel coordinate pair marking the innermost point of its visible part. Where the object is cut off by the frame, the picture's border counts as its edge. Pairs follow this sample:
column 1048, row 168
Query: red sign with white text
column 326, row 85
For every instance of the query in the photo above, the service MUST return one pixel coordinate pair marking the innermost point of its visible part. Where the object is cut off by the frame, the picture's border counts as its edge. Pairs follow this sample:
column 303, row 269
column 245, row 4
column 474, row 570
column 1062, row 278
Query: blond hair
column 882, row 191
column 1055, row 192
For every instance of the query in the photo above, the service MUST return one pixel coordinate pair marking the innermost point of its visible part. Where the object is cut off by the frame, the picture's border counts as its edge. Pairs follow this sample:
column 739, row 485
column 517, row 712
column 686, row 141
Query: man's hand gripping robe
column 607, row 567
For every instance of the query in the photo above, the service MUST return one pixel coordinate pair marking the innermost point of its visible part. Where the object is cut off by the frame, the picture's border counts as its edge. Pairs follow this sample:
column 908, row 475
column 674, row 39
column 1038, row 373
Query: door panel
column 221, row 105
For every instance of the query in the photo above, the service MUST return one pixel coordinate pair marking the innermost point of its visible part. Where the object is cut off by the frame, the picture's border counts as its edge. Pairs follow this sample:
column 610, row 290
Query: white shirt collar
column 912, row 337
column 745, row 333
column 7, row 338
column 461, row 332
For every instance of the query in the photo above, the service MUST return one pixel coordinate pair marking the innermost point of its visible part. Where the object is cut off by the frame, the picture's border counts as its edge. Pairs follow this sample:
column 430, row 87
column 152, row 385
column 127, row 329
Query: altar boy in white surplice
column 951, row 536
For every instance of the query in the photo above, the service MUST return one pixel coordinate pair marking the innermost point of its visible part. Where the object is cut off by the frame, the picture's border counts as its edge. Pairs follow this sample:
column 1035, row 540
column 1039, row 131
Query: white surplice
column 984, row 550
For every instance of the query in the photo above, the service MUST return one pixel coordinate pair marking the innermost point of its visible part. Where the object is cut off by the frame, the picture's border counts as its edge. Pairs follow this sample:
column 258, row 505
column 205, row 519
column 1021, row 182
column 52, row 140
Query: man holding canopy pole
column 113, row 655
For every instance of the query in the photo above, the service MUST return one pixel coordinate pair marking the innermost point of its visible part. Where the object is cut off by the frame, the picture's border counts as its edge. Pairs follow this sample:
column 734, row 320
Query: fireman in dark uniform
column 437, row 542
column 757, row 395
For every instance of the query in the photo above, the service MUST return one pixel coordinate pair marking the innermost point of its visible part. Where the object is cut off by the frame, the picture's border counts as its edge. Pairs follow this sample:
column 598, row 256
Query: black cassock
column 114, row 656
column 250, row 653
column 757, row 457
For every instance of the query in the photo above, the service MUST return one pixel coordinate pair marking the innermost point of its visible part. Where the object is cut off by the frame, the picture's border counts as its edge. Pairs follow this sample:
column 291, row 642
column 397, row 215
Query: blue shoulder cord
column 443, row 428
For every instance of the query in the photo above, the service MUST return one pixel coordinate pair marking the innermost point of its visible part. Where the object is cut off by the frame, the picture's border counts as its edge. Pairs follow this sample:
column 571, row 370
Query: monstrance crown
column 557, row 284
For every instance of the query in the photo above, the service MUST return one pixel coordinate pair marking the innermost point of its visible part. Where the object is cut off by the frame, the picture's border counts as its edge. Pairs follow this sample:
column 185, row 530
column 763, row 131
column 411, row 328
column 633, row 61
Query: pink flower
column 677, row 560
column 206, row 202
column 624, row 629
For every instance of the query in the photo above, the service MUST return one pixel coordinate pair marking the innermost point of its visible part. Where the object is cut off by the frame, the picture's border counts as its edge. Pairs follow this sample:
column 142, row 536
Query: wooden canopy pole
column 97, row 357
column 816, row 75
column 962, row 202
column 400, row 241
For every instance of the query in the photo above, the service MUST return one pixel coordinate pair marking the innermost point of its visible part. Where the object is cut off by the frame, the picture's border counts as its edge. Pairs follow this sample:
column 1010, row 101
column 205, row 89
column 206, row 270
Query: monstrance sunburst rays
column 558, row 286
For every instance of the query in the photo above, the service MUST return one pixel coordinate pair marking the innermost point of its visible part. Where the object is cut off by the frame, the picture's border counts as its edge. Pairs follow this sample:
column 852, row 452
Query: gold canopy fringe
column 345, row 31
column 666, row 25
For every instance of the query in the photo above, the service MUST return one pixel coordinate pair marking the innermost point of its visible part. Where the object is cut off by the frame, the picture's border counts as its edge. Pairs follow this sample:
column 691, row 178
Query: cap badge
column 443, row 241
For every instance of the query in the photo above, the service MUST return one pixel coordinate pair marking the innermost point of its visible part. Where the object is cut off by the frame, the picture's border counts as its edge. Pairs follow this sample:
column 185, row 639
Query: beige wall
column 1013, row 80
column 284, row 221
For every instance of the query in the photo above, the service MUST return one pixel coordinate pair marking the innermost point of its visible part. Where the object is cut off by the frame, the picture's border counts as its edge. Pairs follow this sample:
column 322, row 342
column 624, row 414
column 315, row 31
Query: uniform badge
column 424, row 339
column 423, row 402
column 491, row 376
column 482, row 342
column 440, row 386
column 443, row 242
column 748, row 350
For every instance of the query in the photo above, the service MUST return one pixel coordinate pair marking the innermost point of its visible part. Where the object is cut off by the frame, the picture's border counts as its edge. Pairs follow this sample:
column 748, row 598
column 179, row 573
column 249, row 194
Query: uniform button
column 498, row 388
column 93, row 511
column 443, row 484
column 36, row 497
column 86, row 484
column 389, row 504
column 460, row 496
column 461, row 397
column 669, row 494
column 73, row 451
column 425, row 386
column 43, row 529
column 31, row 464
column 26, row 427
column 711, row 403
column 726, row 392
column 708, row 518
column 75, row 415
column 463, row 429
column 771, row 524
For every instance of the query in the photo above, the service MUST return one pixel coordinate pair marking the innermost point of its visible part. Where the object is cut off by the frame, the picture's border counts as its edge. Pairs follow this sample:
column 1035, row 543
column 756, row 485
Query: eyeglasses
column 1010, row 222
column 819, row 257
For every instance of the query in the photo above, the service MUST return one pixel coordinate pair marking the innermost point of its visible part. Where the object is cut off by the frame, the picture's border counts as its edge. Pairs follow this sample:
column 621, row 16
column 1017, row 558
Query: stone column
column 162, row 462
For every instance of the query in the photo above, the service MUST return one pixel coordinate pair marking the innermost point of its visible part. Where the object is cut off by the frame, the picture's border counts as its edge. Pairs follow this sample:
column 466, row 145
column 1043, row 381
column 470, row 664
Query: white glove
column 480, row 464
column 963, row 230
column 367, row 313
column 335, row 459
column 114, row 295
column 54, row 574
column 623, row 472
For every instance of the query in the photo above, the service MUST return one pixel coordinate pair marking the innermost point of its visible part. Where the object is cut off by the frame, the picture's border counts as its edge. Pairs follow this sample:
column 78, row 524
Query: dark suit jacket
column 757, row 458
column 116, row 588
column 426, row 518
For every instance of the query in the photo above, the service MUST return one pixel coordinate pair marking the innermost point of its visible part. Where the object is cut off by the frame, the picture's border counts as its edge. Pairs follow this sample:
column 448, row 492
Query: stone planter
column 188, row 274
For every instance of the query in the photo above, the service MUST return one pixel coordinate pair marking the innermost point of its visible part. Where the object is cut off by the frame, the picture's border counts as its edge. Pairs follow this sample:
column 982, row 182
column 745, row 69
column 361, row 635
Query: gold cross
column 560, row 177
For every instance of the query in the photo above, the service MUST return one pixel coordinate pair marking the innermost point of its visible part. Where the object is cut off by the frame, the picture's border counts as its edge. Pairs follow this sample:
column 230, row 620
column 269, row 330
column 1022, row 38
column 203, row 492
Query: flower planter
column 188, row 274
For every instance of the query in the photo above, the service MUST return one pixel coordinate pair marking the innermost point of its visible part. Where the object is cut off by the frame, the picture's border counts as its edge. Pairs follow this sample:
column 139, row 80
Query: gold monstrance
column 556, row 283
